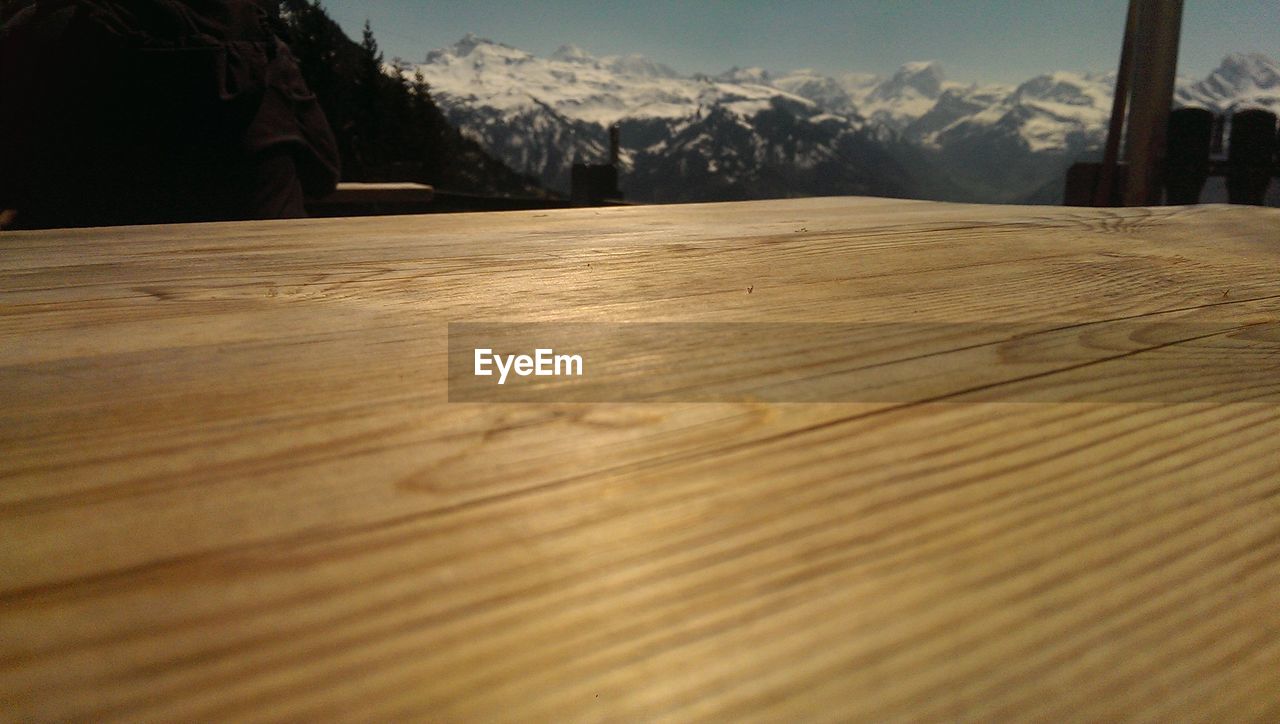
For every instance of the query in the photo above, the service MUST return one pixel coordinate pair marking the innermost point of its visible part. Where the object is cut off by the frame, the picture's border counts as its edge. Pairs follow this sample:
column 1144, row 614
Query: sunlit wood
column 233, row 487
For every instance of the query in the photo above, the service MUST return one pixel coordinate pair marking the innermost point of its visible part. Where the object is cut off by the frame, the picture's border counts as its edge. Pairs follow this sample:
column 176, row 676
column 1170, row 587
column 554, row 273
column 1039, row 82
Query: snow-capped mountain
column 828, row 93
column 578, row 86
column 953, row 105
column 1002, row 143
column 738, row 131
column 893, row 102
column 1056, row 112
column 905, row 96
column 787, row 149
column 1242, row 80
column 751, row 130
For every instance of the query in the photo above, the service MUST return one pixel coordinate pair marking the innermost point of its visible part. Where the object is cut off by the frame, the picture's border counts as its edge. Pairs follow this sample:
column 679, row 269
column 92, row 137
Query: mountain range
column 753, row 133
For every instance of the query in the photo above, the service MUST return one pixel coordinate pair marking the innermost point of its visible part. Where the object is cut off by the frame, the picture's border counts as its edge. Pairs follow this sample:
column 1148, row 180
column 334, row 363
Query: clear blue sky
column 982, row 40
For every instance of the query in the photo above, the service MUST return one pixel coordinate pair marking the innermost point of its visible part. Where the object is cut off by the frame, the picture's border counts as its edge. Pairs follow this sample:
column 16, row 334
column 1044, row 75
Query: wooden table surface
column 234, row 487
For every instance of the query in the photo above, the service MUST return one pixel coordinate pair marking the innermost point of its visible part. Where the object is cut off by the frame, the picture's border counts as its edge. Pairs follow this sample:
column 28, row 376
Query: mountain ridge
column 973, row 142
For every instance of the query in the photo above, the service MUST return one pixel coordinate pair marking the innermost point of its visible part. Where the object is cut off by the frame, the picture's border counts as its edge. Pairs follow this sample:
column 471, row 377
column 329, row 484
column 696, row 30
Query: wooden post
column 1155, row 63
column 1103, row 193
column 1186, row 162
column 1249, row 166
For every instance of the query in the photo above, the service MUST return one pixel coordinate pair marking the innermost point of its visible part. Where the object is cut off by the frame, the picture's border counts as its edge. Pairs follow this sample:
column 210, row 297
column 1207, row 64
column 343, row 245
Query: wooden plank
column 234, row 486
column 1159, row 28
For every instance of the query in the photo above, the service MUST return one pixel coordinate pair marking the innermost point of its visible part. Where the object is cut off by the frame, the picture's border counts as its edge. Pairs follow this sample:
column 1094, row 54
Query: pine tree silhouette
column 388, row 127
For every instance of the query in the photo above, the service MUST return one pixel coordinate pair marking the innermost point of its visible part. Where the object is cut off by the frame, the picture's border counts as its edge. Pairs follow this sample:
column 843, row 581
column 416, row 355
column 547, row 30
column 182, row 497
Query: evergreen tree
column 388, row 127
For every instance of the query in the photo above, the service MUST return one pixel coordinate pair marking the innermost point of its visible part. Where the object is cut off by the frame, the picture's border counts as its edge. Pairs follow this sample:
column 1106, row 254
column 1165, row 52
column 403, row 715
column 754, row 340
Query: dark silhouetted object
column 1186, row 164
column 1155, row 61
column 374, row 199
column 1085, row 180
column 1219, row 129
column 1104, row 184
column 387, row 126
column 595, row 184
column 1143, row 96
column 152, row 111
column 1249, row 157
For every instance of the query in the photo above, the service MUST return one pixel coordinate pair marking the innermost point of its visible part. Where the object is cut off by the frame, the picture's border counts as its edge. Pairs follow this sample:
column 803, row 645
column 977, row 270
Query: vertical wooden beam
column 1154, row 67
column 1104, row 192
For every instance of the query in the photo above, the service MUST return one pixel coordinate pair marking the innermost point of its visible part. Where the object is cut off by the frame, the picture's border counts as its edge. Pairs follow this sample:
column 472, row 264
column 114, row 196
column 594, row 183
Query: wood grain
column 233, row 486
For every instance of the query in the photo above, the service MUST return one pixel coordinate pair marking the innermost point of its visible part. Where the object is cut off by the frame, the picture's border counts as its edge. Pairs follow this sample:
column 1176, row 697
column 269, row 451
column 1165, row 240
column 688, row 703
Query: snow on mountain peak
column 476, row 48
column 1241, row 80
column 1072, row 89
column 824, row 90
column 580, row 87
column 908, row 94
column 632, row 65
column 540, row 114
column 1249, row 68
column 917, row 67
column 1053, row 112
column 753, row 74
column 570, row 53
column 922, row 77
column 1059, row 112
column 468, row 43
column 638, row 65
